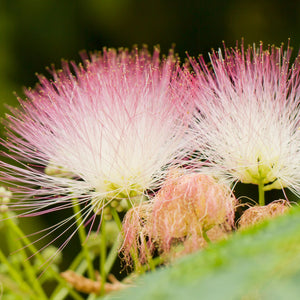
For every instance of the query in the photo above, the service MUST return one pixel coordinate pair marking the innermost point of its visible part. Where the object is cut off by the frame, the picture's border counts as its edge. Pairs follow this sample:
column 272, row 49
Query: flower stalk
column 103, row 253
column 83, row 238
column 205, row 236
column 16, row 229
column 16, row 276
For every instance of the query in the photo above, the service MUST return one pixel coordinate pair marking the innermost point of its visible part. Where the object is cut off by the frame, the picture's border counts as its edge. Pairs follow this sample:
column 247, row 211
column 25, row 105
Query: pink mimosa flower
column 247, row 126
column 109, row 131
column 190, row 205
column 182, row 212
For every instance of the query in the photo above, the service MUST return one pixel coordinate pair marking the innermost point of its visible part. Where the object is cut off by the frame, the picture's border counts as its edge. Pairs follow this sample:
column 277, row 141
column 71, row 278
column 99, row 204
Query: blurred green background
column 36, row 33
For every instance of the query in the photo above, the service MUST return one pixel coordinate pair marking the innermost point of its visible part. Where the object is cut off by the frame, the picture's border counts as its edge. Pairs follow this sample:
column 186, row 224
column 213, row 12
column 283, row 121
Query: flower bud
column 258, row 214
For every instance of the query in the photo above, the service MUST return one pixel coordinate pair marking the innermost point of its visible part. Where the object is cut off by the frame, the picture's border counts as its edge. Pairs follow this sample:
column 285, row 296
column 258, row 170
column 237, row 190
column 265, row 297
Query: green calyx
column 118, row 198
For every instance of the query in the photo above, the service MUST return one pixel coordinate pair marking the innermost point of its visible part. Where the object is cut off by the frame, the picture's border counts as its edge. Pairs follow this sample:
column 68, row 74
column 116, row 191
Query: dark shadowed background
column 36, row 33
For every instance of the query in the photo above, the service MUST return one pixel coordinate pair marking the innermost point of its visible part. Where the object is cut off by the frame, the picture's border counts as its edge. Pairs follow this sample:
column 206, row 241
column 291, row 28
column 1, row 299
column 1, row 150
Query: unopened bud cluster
column 183, row 211
column 57, row 171
column 5, row 196
column 257, row 214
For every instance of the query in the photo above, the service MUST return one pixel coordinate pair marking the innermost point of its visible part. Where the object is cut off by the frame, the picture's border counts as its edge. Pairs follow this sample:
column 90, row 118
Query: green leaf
column 262, row 262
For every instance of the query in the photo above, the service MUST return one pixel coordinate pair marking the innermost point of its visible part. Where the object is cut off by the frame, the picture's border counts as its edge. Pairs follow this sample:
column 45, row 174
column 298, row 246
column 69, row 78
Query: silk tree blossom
column 109, row 130
column 187, row 212
column 247, row 125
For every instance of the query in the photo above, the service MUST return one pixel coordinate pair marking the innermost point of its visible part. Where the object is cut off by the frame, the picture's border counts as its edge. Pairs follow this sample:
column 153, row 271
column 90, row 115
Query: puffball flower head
column 106, row 130
column 247, row 125
column 186, row 208
column 188, row 205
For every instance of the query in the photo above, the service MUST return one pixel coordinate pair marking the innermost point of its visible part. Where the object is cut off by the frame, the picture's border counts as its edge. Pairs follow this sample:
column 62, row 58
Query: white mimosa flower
column 247, row 125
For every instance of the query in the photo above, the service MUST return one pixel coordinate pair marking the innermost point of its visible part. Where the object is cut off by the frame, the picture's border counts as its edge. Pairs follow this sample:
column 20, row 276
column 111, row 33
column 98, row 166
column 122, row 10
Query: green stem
column 129, row 203
column 205, row 236
column 261, row 193
column 102, row 255
column 136, row 263
column 27, row 267
column 116, row 218
column 150, row 262
column 82, row 238
column 113, row 253
column 30, row 272
column 155, row 262
column 12, row 247
column 35, row 252
column 138, row 268
column 16, row 276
